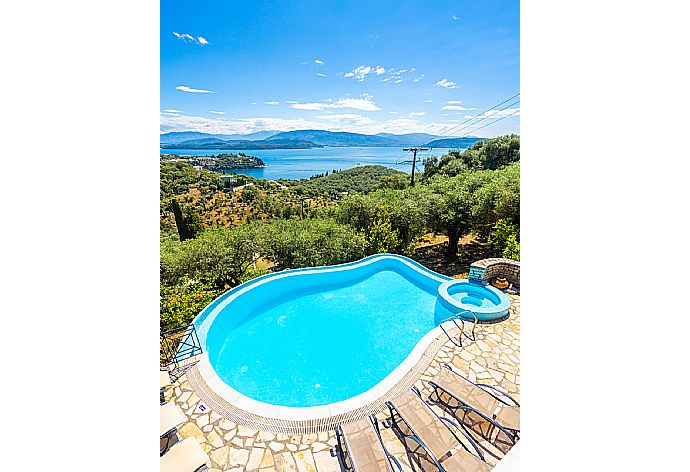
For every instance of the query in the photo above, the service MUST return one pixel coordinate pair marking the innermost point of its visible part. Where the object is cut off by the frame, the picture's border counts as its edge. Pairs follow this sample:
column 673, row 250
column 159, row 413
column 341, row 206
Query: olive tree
column 220, row 256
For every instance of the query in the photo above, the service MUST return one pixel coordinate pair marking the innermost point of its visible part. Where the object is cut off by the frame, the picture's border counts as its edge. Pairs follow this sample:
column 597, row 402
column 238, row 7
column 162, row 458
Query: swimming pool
column 321, row 336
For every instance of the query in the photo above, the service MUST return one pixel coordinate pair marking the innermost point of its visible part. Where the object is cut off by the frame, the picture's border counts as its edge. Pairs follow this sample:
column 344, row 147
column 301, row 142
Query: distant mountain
column 304, row 139
column 177, row 137
column 213, row 143
column 453, row 143
column 409, row 139
column 331, row 138
column 341, row 138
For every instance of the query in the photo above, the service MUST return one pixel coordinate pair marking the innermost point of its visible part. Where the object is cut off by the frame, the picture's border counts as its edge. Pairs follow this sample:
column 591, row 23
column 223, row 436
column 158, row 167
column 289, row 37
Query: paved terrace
column 493, row 359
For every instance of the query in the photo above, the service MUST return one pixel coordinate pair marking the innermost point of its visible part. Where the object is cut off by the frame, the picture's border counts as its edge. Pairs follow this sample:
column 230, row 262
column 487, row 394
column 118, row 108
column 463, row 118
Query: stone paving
column 493, row 359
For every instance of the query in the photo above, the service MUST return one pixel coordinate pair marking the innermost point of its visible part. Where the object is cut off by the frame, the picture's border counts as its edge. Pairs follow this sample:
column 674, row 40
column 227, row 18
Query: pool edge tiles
column 332, row 413
column 300, row 413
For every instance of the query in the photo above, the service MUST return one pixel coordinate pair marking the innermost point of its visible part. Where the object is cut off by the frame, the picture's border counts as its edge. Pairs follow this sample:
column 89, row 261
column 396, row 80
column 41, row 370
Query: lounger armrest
column 390, row 423
column 499, row 390
column 390, row 456
column 463, row 406
column 426, row 449
column 395, row 461
column 464, row 433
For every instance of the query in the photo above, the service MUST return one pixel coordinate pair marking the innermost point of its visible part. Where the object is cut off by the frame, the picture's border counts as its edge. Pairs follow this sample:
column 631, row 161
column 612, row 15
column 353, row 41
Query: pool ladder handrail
column 454, row 319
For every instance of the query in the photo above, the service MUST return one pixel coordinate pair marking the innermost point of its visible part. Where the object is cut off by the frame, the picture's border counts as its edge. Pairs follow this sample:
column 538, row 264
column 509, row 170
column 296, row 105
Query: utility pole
column 414, row 160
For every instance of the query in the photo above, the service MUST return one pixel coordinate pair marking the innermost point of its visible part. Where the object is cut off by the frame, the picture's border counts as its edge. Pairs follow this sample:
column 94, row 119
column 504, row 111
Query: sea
column 304, row 163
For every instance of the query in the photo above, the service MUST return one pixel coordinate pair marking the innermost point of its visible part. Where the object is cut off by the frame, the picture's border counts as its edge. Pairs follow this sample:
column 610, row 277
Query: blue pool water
column 317, row 336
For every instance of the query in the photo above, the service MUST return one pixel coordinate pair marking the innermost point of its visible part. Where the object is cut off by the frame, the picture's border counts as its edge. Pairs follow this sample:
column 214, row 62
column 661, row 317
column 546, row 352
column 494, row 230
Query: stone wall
column 487, row 269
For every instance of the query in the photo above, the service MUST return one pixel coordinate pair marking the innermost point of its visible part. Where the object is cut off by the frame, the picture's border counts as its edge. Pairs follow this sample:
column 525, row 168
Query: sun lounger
column 185, row 456
column 360, row 448
column 171, row 418
column 429, row 438
column 484, row 408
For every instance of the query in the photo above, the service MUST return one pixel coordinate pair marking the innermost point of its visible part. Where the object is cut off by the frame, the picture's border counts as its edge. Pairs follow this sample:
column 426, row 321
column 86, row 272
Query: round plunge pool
column 486, row 302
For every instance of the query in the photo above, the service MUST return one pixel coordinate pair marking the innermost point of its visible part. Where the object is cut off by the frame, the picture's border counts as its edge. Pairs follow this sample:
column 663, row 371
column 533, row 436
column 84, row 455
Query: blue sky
column 368, row 67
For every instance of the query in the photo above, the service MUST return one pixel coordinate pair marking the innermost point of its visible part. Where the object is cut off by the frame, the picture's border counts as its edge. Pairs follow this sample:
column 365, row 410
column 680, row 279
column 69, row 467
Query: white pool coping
column 280, row 412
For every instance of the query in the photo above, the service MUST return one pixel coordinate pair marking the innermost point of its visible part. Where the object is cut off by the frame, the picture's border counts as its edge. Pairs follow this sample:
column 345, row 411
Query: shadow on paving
column 432, row 254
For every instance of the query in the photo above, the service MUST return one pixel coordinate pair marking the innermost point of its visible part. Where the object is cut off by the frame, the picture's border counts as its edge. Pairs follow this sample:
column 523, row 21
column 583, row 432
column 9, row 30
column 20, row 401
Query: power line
column 495, row 121
column 484, row 126
column 478, row 118
column 470, row 119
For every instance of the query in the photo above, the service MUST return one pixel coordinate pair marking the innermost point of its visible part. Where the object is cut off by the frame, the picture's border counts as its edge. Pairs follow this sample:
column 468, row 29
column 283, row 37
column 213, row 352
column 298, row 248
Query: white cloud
column 445, row 83
column 417, row 79
column 456, row 107
column 417, row 113
column 173, row 111
column 427, row 101
column 314, row 106
column 318, row 61
column 290, row 101
column 184, row 88
column 346, row 122
column 455, row 18
column 347, row 119
column 397, row 81
column 188, row 38
column 321, row 75
column 272, row 102
column 217, row 112
column 453, row 102
column 360, row 73
column 364, row 104
column 387, row 79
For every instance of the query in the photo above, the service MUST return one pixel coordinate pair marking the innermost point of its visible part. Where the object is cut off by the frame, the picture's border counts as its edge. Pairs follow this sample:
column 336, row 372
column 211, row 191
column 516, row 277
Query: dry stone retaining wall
column 487, row 269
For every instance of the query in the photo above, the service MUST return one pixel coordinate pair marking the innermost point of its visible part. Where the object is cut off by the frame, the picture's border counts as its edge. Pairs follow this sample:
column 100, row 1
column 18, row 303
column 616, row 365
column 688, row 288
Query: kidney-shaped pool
column 318, row 336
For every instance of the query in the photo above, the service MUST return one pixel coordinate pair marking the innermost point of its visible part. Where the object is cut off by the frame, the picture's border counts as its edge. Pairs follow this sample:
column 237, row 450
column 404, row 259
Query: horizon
column 392, row 67
column 314, row 129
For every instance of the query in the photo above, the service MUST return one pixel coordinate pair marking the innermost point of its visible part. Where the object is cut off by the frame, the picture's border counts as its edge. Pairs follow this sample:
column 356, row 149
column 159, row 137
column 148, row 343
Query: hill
column 214, row 143
column 178, row 137
column 360, row 179
column 488, row 154
column 342, row 138
column 452, row 143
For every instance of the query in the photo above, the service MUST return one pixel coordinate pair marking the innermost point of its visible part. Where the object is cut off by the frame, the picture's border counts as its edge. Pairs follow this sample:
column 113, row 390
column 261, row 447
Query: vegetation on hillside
column 218, row 163
column 487, row 154
column 314, row 222
column 361, row 179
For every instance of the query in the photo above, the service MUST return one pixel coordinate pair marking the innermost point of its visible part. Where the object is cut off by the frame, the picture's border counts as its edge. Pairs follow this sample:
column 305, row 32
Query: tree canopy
column 488, row 154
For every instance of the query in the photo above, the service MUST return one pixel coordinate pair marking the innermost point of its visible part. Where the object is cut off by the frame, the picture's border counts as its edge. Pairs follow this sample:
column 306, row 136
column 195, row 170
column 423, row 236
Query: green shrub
column 179, row 304
column 506, row 238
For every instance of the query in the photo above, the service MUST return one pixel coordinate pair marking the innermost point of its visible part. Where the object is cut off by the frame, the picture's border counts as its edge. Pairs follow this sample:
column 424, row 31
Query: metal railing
column 177, row 345
column 454, row 318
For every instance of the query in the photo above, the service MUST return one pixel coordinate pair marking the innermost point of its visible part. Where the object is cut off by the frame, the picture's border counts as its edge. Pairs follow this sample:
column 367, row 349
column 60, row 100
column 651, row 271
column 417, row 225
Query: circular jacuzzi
column 486, row 302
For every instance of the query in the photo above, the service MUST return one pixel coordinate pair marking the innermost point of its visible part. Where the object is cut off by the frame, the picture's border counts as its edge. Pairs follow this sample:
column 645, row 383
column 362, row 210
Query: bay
column 304, row 163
